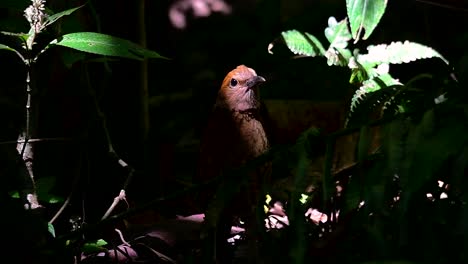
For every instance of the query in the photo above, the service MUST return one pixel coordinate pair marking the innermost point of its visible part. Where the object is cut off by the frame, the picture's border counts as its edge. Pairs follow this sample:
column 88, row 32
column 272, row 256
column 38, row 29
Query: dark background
column 183, row 88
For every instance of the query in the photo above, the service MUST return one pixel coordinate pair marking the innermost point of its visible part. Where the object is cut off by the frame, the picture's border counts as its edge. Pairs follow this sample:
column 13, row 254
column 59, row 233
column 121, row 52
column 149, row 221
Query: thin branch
column 35, row 140
column 121, row 237
column 120, row 197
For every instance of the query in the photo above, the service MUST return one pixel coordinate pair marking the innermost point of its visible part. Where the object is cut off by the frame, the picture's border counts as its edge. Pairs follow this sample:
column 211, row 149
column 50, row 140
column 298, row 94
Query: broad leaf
column 364, row 14
column 106, row 45
column 303, row 43
column 23, row 37
column 5, row 47
column 51, row 19
column 337, row 33
column 397, row 53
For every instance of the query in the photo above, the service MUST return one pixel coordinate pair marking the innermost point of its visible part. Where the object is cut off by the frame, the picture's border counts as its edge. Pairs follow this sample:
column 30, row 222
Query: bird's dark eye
column 233, row 82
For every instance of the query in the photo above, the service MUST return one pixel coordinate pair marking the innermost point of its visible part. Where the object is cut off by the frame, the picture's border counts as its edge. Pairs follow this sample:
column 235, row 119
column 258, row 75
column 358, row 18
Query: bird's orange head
column 239, row 90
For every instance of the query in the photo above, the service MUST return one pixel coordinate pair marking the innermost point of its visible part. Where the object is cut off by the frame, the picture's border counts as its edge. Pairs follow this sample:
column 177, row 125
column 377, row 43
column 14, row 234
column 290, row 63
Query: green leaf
column 14, row 194
column 364, row 101
column 337, row 33
column 21, row 36
column 5, row 47
column 51, row 19
column 303, row 43
column 396, row 53
column 106, row 45
column 337, row 56
column 95, row 247
column 364, row 14
column 51, row 229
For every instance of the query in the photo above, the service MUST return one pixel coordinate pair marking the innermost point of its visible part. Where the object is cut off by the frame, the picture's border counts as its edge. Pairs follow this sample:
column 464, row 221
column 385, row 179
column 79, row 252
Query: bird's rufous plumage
column 235, row 133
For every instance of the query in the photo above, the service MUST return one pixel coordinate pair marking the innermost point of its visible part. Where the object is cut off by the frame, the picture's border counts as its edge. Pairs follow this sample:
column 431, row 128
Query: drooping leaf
column 337, row 33
column 5, row 47
column 106, row 45
column 397, row 53
column 21, row 36
column 52, row 18
column 364, row 14
column 373, row 94
column 302, row 43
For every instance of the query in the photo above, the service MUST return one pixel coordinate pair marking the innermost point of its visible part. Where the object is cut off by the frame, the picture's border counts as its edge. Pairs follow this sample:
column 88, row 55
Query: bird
column 235, row 133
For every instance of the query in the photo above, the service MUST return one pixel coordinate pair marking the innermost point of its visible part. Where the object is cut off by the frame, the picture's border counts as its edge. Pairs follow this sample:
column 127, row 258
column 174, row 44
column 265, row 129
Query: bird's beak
column 254, row 81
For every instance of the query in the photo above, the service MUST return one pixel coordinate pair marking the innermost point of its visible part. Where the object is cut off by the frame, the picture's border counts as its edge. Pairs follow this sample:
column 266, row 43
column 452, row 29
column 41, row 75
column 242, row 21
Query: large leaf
column 52, row 18
column 106, row 45
column 5, row 47
column 337, row 33
column 303, row 43
column 364, row 14
column 396, row 53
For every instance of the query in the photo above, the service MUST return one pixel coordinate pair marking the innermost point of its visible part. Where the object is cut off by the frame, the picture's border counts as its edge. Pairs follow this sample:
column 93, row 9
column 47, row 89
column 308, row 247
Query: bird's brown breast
column 231, row 138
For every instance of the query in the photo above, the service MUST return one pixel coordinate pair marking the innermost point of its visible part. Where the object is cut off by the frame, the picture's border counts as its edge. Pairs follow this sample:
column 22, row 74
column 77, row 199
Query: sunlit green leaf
column 364, row 14
column 106, row 45
column 368, row 87
column 302, row 43
column 303, row 198
column 51, row 229
column 337, row 33
column 95, row 247
column 51, row 19
column 14, row 194
column 5, row 47
column 337, row 56
column 397, row 52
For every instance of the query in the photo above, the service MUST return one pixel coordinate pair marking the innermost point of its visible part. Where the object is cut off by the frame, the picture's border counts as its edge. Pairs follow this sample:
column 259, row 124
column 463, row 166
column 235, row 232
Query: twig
column 34, row 140
column 120, row 197
column 122, row 238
